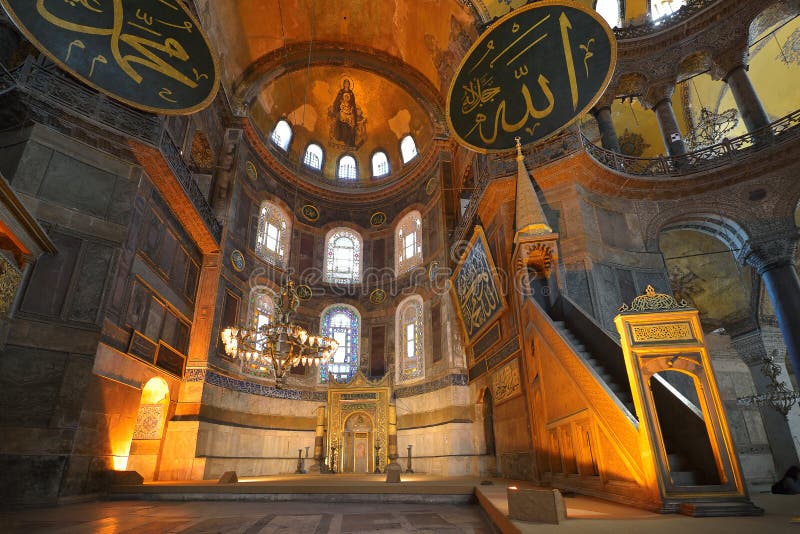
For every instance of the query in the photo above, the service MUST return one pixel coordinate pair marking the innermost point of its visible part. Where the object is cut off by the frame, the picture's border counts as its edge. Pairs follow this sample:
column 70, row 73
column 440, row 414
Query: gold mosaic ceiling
column 271, row 59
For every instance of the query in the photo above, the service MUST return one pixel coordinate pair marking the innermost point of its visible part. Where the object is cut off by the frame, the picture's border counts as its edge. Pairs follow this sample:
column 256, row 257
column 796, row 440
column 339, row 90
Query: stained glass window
column 282, row 135
column 408, row 149
column 662, row 8
column 347, row 168
column 343, row 263
column 262, row 309
column 410, row 336
column 342, row 323
column 274, row 229
column 313, row 157
column 408, row 242
column 380, row 164
column 609, row 10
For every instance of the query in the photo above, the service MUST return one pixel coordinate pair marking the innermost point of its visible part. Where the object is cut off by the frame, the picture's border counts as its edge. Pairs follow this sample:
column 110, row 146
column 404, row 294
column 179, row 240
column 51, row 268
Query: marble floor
column 138, row 517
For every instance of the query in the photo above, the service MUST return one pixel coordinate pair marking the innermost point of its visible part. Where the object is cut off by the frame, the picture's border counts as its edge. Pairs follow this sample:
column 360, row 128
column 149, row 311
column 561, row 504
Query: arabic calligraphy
column 152, row 55
column 534, row 72
column 476, row 289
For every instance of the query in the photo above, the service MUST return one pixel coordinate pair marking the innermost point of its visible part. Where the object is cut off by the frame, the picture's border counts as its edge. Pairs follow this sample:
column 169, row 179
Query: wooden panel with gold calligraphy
column 476, row 288
column 533, row 73
column 149, row 54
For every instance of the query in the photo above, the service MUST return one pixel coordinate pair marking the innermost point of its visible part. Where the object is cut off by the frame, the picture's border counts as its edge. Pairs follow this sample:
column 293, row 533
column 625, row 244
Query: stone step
column 683, row 478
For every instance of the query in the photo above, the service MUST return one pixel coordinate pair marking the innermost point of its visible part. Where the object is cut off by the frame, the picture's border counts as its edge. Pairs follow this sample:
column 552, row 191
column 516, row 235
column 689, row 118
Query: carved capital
column 657, row 92
column 725, row 60
column 605, row 101
column 750, row 347
column 767, row 253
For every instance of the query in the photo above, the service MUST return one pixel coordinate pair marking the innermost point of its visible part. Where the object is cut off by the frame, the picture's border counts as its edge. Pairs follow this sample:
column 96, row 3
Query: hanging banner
column 531, row 74
column 149, row 54
column 476, row 288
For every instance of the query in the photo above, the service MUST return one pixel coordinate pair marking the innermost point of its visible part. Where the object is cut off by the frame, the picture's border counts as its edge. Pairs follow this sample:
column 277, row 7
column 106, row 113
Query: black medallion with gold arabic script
column 534, row 72
column 149, row 54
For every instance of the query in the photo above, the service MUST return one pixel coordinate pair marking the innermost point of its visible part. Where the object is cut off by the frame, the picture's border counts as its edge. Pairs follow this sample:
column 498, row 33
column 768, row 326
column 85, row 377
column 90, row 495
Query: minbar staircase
column 584, row 412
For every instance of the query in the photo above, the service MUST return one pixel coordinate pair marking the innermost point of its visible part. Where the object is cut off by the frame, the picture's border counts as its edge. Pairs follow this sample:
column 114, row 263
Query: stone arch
column 695, row 63
column 772, row 14
column 725, row 229
column 296, row 56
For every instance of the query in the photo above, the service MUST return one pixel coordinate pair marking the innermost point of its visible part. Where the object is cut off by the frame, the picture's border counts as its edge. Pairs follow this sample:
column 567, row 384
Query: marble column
column 752, row 349
column 750, row 108
column 319, row 441
column 658, row 97
column 772, row 257
column 608, row 134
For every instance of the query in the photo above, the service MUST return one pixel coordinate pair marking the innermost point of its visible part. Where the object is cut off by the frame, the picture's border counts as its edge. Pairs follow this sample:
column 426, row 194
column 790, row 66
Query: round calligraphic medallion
column 251, row 170
column 237, row 261
column 304, row 292
column 530, row 75
column 377, row 219
column 378, row 296
column 150, row 54
column 310, row 212
column 430, row 186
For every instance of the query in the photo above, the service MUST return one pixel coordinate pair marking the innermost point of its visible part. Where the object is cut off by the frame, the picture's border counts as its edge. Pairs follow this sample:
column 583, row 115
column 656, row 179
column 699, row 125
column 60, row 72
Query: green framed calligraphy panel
column 530, row 75
column 149, row 54
column 476, row 288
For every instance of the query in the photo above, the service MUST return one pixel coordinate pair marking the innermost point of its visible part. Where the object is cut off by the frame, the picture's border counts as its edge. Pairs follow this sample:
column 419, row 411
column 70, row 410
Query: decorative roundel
column 377, row 219
column 430, row 185
column 310, row 212
column 433, row 270
column 251, row 170
column 237, row 261
column 304, row 292
column 378, row 296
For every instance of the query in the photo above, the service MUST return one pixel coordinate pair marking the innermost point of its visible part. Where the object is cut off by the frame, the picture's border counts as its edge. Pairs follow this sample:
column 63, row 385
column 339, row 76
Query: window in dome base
column 282, row 135
column 380, row 165
column 313, row 157
column 408, row 149
column 347, row 168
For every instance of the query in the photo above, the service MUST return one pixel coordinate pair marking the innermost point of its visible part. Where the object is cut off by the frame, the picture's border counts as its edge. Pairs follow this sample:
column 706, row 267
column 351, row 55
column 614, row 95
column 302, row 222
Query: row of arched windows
column 343, row 258
column 343, row 323
column 347, row 169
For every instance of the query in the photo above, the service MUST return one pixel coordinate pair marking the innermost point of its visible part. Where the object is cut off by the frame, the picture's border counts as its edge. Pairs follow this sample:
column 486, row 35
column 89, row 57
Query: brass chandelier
column 278, row 342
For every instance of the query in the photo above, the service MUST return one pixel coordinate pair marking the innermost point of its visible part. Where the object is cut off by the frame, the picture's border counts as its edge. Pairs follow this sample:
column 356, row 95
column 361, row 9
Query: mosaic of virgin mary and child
column 348, row 125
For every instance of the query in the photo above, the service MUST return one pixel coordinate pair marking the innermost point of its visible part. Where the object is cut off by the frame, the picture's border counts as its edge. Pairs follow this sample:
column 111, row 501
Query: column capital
column 770, row 252
column 605, row 101
column 656, row 93
column 726, row 60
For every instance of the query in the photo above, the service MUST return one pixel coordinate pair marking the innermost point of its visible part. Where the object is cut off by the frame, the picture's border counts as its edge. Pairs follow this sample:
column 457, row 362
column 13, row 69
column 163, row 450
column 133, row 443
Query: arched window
column 261, row 312
column 410, row 337
column 347, row 168
column 380, row 165
column 274, row 229
column 609, row 10
column 343, row 261
column 408, row 149
column 408, row 243
column 662, row 8
column 282, row 135
column 343, row 324
column 313, row 157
